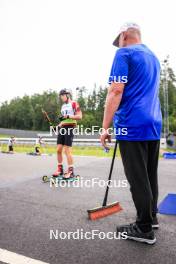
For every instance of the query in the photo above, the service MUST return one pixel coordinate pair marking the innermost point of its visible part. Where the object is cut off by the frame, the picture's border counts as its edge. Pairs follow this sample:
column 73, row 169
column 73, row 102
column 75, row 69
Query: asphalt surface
column 29, row 209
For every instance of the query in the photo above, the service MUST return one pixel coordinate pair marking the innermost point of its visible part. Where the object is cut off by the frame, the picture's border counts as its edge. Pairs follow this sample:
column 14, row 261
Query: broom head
column 100, row 212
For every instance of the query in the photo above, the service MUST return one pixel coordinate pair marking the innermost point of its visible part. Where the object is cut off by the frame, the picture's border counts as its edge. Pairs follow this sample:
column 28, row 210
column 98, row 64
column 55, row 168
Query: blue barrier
column 168, row 155
column 168, row 205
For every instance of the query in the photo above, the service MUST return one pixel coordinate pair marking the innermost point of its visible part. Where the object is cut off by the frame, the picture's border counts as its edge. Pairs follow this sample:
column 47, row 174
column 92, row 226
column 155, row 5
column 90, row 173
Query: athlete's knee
column 59, row 149
column 67, row 150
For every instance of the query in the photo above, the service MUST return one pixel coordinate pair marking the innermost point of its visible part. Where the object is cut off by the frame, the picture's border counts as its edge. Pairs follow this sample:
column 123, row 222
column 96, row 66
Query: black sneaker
column 133, row 232
column 155, row 224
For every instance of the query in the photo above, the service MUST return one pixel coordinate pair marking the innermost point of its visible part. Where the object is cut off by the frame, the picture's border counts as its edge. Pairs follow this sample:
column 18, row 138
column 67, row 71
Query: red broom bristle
column 103, row 212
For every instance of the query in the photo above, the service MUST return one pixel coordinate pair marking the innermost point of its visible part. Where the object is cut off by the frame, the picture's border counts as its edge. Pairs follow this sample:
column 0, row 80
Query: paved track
column 29, row 209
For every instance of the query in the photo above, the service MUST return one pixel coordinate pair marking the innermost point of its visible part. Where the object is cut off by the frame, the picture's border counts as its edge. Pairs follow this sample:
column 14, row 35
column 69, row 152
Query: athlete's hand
column 60, row 124
column 66, row 116
column 105, row 137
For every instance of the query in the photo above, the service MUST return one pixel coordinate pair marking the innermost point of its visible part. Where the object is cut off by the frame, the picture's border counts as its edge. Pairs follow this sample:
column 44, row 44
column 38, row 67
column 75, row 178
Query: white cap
column 124, row 28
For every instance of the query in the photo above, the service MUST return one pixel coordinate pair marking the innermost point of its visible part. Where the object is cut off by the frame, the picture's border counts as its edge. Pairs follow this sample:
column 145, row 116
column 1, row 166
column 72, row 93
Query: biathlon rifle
column 47, row 118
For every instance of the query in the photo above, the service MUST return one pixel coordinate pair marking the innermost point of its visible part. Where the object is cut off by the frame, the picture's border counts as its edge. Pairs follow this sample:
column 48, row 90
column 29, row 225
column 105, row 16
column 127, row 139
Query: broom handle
column 110, row 174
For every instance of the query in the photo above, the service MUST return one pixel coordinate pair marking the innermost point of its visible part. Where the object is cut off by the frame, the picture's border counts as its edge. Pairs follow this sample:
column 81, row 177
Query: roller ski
column 59, row 175
column 7, row 152
column 33, row 154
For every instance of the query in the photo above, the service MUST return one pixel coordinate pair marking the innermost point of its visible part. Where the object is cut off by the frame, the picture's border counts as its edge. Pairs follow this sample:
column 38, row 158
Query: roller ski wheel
column 47, row 178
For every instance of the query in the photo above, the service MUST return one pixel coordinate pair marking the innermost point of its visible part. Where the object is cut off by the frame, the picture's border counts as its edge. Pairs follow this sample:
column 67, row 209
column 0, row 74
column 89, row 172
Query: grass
column 92, row 151
column 4, row 136
column 77, row 150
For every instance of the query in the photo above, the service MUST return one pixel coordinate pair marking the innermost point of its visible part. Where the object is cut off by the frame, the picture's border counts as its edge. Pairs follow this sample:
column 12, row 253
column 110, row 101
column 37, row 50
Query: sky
column 55, row 44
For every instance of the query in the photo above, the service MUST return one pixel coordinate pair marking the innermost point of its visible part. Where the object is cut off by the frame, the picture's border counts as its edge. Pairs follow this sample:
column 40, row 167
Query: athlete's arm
column 113, row 100
column 77, row 116
column 78, row 113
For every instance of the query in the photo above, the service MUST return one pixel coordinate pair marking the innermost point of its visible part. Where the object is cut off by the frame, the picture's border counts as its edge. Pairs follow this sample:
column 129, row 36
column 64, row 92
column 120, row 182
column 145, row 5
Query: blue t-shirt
column 138, row 117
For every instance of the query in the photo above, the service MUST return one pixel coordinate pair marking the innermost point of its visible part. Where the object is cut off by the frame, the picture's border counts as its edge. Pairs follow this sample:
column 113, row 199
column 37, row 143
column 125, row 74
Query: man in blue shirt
column 133, row 104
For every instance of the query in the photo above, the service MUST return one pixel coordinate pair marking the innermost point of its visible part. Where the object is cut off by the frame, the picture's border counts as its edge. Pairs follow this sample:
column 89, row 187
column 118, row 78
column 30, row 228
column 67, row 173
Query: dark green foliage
column 25, row 113
column 171, row 98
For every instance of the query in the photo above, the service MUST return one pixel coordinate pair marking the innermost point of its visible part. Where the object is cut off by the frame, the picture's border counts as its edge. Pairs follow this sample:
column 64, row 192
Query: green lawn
column 77, row 150
column 4, row 136
column 92, row 151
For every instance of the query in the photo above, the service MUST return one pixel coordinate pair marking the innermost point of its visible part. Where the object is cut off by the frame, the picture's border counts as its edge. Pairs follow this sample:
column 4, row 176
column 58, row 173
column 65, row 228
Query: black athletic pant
column 140, row 160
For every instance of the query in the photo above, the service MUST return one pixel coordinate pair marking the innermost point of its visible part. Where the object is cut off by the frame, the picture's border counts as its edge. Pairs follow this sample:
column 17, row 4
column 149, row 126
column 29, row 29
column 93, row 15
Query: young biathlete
column 38, row 144
column 70, row 112
column 11, row 144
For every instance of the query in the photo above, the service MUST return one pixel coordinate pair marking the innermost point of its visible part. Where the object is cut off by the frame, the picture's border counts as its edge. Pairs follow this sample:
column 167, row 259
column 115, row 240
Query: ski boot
column 70, row 175
column 59, row 172
column 56, row 175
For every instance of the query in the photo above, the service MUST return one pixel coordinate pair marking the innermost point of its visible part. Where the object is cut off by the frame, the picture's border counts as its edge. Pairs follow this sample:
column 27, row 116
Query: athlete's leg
column 59, row 153
column 59, row 170
column 37, row 150
column 60, row 144
column 68, row 153
column 10, row 148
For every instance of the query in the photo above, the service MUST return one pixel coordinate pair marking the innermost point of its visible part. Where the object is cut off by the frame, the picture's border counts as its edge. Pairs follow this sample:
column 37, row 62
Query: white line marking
column 14, row 258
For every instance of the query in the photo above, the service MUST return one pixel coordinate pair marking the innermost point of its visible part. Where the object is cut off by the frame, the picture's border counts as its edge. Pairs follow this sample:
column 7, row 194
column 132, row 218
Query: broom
column 106, row 209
